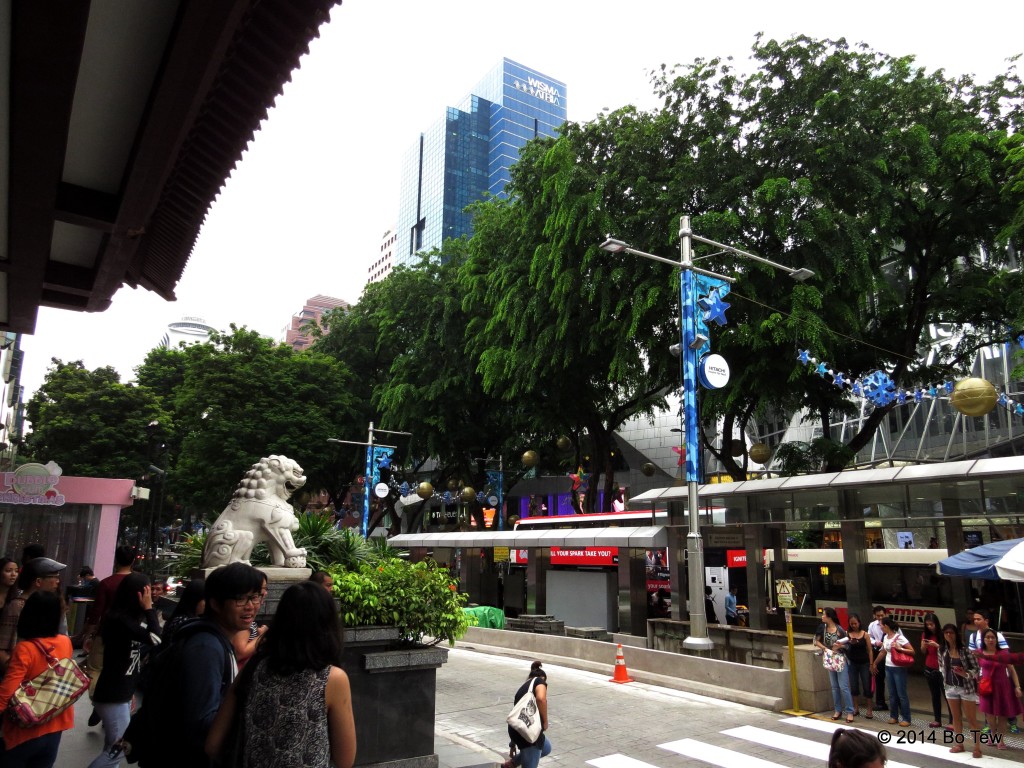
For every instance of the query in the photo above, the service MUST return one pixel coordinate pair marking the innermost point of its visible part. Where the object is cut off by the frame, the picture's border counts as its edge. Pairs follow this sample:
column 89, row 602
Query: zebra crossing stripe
column 726, row 758
column 781, row 741
column 939, row 750
column 618, row 761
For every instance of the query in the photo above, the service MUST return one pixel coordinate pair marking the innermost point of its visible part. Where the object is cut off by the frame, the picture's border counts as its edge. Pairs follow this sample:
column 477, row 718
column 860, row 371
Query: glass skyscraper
column 469, row 152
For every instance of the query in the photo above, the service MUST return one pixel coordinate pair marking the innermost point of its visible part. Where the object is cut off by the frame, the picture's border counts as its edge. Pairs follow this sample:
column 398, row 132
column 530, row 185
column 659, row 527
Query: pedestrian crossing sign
column 786, row 597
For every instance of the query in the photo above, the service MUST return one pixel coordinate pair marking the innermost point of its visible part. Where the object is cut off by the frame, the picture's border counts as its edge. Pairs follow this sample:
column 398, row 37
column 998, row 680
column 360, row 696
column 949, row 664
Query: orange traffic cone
column 621, row 674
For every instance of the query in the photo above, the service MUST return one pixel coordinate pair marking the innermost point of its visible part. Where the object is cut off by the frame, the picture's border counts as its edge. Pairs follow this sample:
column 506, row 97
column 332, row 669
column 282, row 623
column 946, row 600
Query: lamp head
column 802, row 274
column 613, row 246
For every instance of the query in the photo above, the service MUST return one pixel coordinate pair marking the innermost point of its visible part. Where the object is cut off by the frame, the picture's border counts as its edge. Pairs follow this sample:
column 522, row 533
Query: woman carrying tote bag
column 529, row 754
column 38, row 624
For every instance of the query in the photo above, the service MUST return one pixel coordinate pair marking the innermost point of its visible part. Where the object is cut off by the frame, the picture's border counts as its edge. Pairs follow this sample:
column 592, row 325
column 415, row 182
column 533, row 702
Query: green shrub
column 421, row 599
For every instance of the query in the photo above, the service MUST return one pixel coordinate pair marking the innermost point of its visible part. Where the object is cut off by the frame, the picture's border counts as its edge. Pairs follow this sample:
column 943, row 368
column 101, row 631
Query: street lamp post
column 154, row 521
column 693, row 344
column 368, row 475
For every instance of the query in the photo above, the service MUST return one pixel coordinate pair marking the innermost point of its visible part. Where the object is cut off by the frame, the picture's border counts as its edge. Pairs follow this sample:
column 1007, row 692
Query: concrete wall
column 729, row 681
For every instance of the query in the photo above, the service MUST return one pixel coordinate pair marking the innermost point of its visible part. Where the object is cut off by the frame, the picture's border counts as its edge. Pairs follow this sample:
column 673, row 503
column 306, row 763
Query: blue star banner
column 378, row 457
column 881, row 391
column 711, row 309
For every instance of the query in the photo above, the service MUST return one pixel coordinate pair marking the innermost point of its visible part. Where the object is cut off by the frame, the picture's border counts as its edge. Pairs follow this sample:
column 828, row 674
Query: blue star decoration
column 901, row 397
column 838, row 380
column 384, row 462
column 822, row 370
column 714, row 308
column 1002, row 399
column 879, row 389
column 804, row 356
column 1020, row 340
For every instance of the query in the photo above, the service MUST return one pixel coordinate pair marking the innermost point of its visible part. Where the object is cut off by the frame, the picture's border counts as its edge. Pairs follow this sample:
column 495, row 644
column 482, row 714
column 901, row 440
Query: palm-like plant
column 318, row 536
column 350, row 550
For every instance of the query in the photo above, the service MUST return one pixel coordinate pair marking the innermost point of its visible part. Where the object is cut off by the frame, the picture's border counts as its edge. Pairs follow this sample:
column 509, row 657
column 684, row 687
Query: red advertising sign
column 735, row 558
column 585, row 556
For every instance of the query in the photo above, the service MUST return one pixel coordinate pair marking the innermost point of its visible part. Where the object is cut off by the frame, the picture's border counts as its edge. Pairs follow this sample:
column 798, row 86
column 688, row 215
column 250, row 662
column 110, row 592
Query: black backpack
column 146, row 736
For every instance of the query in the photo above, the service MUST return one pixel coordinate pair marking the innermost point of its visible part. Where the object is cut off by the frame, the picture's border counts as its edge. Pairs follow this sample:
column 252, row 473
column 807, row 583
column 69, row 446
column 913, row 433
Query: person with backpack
column 291, row 706
column 190, row 678
column 130, row 627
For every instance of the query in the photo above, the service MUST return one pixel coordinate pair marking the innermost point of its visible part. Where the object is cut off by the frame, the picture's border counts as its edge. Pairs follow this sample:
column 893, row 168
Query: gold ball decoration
column 468, row 494
column 513, row 520
column 737, row 447
column 563, row 443
column 424, row 490
column 530, row 459
column 648, row 469
column 760, row 453
column 974, row 397
column 453, row 484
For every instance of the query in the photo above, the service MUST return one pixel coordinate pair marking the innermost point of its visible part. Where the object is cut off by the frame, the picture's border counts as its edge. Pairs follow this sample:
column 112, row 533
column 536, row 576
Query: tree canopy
column 90, row 423
column 241, row 397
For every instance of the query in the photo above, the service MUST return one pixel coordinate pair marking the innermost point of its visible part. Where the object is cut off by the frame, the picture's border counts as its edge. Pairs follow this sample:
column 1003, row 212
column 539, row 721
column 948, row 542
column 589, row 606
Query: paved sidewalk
column 81, row 745
column 463, row 740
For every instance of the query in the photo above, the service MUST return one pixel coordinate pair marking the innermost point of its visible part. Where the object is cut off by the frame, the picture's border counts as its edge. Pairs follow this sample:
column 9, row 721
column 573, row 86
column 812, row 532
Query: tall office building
column 469, row 152
column 295, row 333
column 383, row 261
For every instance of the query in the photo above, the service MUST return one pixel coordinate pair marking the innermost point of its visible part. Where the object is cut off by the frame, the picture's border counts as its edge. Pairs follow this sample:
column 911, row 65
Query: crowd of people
column 238, row 692
column 969, row 670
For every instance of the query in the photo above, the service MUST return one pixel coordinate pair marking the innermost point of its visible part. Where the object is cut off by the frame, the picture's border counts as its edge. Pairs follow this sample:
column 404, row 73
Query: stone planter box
column 393, row 689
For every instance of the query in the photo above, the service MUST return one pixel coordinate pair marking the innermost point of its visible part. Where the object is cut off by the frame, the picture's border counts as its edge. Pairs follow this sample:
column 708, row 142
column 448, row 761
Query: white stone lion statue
column 259, row 511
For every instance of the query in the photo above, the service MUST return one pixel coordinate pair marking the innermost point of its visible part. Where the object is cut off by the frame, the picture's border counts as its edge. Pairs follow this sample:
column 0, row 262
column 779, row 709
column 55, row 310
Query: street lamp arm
column 357, row 442
column 617, row 246
column 799, row 273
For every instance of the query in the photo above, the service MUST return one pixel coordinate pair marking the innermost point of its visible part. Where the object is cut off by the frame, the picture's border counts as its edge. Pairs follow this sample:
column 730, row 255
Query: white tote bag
column 525, row 717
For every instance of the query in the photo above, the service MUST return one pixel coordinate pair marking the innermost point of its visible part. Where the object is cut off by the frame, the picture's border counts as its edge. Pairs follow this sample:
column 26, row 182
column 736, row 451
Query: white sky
column 304, row 211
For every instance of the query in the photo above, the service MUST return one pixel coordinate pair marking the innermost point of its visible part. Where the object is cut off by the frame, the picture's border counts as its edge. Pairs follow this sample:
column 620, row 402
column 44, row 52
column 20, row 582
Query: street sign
column 785, row 596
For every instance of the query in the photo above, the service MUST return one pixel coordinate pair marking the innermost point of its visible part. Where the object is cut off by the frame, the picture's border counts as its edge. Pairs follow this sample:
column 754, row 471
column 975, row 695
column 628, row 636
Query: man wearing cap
column 40, row 574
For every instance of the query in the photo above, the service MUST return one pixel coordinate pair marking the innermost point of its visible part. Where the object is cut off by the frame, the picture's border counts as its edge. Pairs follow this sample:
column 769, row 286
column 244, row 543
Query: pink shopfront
column 74, row 518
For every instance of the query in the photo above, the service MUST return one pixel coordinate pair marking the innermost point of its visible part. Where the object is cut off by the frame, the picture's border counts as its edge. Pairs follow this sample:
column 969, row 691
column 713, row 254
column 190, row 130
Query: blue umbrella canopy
column 981, row 562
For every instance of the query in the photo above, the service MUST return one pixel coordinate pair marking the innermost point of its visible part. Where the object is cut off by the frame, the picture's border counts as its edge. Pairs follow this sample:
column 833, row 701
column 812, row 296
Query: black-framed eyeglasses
column 242, row 602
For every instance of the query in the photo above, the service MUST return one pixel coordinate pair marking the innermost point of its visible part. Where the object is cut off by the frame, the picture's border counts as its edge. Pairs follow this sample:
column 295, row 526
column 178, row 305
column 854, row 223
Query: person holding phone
column 832, row 640
column 960, row 670
column 930, row 648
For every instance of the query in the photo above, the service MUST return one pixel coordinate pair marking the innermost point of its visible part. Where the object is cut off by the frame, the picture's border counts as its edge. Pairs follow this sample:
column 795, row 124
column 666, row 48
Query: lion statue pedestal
column 259, row 511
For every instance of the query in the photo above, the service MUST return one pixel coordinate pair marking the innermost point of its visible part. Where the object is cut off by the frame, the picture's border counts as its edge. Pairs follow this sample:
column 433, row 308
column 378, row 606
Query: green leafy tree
column 92, row 424
column 886, row 180
column 241, row 397
column 580, row 337
column 406, row 338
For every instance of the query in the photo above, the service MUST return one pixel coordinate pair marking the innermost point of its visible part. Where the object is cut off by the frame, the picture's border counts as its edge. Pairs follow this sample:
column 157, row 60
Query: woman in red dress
column 1000, row 701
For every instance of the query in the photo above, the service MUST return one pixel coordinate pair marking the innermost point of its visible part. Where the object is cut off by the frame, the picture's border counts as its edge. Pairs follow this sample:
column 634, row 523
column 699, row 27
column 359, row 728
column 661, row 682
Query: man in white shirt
column 980, row 625
column 877, row 634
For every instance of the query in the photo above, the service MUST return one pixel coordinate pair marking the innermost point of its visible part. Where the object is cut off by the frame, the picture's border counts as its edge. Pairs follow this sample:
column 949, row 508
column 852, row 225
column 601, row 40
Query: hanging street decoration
column 580, row 480
column 877, row 388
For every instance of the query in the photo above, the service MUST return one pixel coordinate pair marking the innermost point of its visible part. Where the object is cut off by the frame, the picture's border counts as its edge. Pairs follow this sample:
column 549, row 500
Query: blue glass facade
column 469, row 152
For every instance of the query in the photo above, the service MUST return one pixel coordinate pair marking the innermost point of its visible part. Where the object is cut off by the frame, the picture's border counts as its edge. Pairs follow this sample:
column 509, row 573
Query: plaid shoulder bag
column 49, row 693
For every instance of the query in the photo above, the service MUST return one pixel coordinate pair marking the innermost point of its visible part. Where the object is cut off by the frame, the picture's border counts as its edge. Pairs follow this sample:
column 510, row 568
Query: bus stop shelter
column 559, row 592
